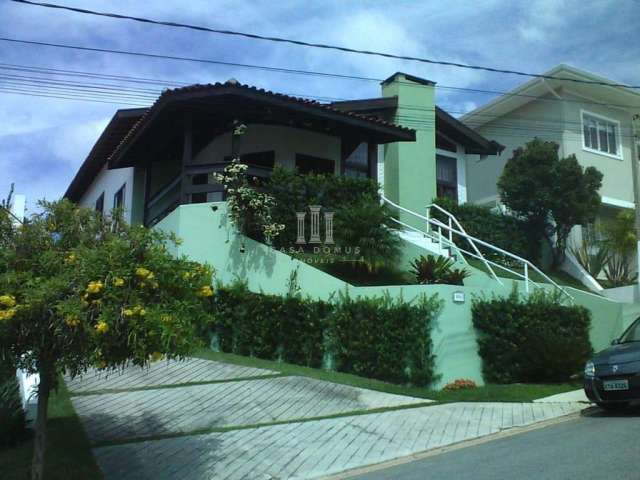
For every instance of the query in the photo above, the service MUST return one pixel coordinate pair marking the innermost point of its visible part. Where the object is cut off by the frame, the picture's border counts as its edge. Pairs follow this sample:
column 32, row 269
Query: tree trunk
column 37, row 465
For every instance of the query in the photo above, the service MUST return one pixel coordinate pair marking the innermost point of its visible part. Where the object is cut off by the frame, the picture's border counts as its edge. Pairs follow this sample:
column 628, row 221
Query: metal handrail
column 527, row 265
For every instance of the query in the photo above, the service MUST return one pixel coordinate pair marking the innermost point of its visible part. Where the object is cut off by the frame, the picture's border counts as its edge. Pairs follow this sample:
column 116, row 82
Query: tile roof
column 167, row 95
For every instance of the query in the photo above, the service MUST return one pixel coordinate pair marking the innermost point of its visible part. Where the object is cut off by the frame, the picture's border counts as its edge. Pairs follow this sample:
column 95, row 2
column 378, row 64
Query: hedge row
column 383, row 338
column 531, row 339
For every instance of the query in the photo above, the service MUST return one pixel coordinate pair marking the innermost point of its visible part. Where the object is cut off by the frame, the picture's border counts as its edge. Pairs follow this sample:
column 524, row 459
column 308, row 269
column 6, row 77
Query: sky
column 43, row 140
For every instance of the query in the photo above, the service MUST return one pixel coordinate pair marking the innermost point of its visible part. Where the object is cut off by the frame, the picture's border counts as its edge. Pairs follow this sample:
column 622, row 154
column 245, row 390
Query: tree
column 550, row 194
column 78, row 290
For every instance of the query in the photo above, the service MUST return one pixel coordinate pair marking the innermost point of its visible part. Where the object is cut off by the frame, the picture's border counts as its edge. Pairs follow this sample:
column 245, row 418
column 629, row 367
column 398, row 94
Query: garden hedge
column 378, row 338
column 531, row 339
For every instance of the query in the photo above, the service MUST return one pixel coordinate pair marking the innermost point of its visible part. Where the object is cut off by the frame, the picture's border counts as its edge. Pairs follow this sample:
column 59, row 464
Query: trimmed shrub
column 13, row 424
column 503, row 231
column 373, row 337
column 269, row 326
column 384, row 338
column 531, row 339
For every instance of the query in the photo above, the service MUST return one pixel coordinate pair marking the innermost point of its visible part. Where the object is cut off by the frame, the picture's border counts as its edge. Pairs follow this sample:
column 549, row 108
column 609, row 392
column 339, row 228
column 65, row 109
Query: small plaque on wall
column 458, row 297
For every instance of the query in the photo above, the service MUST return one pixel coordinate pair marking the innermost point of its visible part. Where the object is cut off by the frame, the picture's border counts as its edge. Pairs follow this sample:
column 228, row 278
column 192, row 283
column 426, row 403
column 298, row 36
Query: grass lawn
column 488, row 393
column 68, row 455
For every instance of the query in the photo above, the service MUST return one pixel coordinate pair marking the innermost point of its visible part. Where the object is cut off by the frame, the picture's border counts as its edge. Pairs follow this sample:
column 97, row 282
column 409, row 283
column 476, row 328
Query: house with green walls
column 592, row 121
column 159, row 166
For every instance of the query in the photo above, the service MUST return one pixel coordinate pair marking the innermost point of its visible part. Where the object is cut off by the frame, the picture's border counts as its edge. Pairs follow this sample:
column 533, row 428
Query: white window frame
column 618, row 131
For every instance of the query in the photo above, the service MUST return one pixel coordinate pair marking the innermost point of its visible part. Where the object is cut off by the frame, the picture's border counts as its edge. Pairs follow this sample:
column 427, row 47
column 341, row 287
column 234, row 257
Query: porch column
column 372, row 161
column 187, row 157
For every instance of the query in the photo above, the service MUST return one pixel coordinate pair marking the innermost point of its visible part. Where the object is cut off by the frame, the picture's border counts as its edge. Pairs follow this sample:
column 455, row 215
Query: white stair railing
column 454, row 228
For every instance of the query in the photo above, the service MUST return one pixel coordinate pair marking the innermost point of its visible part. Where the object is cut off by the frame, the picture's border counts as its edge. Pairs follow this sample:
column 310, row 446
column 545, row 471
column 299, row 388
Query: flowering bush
column 249, row 209
column 79, row 290
column 460, row 384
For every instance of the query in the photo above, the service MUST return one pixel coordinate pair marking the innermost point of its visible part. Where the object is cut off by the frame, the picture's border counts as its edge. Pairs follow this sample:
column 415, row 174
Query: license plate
column 613, row 385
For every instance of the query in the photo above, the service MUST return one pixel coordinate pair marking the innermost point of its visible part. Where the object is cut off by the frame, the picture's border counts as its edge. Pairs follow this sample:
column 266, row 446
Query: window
column 446, row 177
column 118, row 198
column 357, row 164
column 100, row 204
column 307, row 164
column 601, row 135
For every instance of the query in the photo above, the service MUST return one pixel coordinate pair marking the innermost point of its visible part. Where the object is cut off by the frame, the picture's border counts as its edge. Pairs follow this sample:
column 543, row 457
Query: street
column 594, row 446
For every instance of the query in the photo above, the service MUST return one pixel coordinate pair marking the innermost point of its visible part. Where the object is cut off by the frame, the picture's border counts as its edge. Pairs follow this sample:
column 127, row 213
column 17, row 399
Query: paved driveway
column 201, row 419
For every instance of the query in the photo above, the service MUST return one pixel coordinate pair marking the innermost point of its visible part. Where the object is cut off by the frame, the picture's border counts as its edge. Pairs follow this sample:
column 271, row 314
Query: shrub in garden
column 372, row 337
column 360, row 220
column 384, row 338
column 504, row 231
column 437, row 269
column 531, row 339
column 460, row 384
column 269, row 326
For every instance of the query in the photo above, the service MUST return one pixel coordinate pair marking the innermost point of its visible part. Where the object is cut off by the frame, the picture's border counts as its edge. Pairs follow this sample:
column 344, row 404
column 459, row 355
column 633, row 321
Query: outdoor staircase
column 428, row 243
column 448, row 238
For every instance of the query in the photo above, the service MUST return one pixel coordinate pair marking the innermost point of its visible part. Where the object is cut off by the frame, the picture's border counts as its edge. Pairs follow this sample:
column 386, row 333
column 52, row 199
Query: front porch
column 191, row 134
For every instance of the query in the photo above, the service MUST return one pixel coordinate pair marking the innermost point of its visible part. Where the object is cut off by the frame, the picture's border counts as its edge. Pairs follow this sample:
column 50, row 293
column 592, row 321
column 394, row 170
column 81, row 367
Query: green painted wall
column 209, row 237
column 410, row 167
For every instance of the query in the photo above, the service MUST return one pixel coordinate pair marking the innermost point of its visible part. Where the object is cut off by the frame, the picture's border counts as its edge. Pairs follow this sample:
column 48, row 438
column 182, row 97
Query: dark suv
column 612, row 377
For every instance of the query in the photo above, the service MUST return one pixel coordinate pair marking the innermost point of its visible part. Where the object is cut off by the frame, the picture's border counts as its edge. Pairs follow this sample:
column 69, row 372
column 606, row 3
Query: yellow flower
column 70, row 258
column 155, row 356
column 7, row 314
column 187, row 275
column 118, row 282
column 102, row 327
column 7, row 301
column 72, row 321
column 166, row 318
column 94, row 287
column 205, row 291
column 154, row 285
column 128, row 312
column 144, row 273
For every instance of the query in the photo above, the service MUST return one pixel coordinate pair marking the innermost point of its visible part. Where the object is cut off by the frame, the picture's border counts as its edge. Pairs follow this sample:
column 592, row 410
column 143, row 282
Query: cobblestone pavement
column 316, row 448
column 164, row 411
column 246, row 402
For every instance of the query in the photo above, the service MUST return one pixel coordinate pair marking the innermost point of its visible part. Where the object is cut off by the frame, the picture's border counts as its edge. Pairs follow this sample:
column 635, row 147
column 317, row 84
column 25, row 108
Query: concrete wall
column 285, row 141
column 109, row 182
column 208, row 237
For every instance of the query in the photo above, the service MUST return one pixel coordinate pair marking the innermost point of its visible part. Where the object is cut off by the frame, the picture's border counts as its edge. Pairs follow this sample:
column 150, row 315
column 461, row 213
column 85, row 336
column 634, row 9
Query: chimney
column 410, row 167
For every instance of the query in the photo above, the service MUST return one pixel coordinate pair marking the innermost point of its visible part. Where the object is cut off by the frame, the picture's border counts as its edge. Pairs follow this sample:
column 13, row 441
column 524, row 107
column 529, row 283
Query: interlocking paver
column 314, row 448
column 190, row 370
column 143, row 413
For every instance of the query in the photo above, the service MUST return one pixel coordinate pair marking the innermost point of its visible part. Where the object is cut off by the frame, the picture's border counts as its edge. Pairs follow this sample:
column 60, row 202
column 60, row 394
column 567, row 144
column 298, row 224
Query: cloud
column 42, row 141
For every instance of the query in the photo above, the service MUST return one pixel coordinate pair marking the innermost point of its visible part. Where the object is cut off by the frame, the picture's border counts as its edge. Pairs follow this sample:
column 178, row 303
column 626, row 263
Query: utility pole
column 635, row 159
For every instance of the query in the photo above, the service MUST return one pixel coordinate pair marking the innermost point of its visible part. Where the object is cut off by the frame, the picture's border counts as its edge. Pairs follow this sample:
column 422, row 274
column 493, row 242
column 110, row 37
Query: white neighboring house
column 591, row 121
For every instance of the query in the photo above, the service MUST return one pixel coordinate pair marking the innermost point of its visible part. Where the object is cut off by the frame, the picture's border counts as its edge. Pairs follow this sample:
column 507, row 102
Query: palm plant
column 437, row 270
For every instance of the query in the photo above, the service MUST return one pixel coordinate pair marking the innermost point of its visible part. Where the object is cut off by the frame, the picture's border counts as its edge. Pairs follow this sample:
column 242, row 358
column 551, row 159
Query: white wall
column 285, row 141
column 109, row 182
